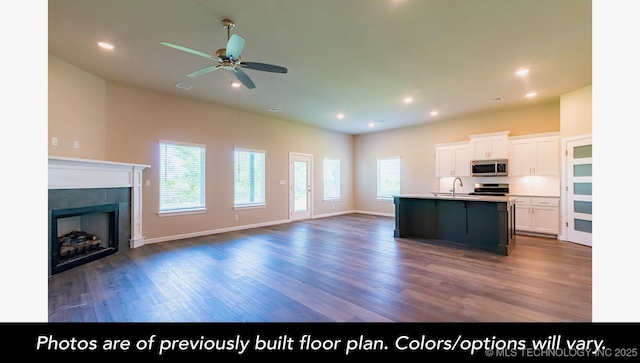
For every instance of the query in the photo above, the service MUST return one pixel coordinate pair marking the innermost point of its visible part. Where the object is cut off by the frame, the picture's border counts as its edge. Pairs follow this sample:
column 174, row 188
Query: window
column 331, row 170
column 388, row 178
column 249, row 167
column 182, row 177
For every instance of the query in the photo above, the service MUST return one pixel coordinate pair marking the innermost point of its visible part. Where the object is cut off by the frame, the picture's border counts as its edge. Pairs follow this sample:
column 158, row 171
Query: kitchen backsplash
column 548, row 186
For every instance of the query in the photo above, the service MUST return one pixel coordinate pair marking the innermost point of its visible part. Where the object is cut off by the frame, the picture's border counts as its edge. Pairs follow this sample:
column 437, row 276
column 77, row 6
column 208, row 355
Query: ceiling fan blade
column 235, row 46
column 264, row 67
column 243, row 78
column 204, row 70
column 188, row 50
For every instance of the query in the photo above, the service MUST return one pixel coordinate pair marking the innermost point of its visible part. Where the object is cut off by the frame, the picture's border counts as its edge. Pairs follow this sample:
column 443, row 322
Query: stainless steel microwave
column 489, row 167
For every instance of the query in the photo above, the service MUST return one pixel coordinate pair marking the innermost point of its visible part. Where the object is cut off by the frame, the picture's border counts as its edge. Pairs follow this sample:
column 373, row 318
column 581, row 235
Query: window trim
column 185, row 210
column 388, row 199
column 182, row 212
column 249, row 206
column 256, row 205
column 324, row 170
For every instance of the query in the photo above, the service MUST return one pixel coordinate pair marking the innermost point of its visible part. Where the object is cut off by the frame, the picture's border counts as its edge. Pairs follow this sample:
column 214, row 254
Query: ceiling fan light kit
column 229, row 58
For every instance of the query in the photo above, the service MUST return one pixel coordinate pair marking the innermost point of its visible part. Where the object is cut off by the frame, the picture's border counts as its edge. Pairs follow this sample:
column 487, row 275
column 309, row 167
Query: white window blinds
column 388, row 178
column 249, row 177
column 182, row 176
column 331, row 174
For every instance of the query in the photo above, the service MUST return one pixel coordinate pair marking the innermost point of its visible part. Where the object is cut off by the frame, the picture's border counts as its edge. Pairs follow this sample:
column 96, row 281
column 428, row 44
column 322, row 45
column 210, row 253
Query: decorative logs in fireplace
column 68, row 250
column 76, row 243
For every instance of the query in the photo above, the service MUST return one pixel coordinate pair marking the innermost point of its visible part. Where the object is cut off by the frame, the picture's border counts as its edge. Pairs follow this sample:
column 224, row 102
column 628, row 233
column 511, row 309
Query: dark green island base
column 484, row 222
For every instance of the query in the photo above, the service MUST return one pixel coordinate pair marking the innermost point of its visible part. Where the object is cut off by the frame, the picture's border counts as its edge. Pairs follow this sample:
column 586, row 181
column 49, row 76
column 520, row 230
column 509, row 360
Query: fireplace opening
column 82, row 235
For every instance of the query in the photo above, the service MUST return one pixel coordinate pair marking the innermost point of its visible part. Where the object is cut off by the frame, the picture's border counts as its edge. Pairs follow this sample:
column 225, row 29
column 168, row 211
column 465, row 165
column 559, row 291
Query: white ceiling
column 357, row 57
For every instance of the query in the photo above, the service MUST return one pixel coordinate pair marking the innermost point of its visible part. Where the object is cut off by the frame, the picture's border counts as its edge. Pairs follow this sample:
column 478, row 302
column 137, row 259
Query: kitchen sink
column 448, row 194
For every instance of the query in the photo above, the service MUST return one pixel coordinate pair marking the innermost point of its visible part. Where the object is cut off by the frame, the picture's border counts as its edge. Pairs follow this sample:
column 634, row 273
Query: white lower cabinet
column 538, row 215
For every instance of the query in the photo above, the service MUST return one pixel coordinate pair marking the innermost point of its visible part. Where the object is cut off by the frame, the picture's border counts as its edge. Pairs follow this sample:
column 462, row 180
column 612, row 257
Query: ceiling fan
column 229, row 58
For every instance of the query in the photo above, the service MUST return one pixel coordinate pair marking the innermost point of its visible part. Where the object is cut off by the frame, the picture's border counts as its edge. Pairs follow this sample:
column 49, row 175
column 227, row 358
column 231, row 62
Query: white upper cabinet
column 489, row 146
column 534, row 156
column 452, row 159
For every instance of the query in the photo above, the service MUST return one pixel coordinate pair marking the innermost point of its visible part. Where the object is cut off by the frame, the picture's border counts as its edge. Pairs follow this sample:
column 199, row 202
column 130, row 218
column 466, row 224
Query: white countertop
column 535, row 195
column 462, row 196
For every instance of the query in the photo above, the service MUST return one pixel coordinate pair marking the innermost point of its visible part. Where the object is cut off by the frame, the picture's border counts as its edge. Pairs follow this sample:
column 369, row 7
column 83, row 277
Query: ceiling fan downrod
column 228, row 24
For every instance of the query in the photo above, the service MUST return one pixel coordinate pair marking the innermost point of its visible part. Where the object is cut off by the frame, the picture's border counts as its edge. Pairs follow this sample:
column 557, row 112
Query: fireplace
column 95, row 210
column 82, row 235
column 87, row 224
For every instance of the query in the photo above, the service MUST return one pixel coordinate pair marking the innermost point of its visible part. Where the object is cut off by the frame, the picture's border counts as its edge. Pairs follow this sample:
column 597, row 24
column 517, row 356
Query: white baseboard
column 375, row 213
column 534, row 234
column 213, row 231
column 332, row 214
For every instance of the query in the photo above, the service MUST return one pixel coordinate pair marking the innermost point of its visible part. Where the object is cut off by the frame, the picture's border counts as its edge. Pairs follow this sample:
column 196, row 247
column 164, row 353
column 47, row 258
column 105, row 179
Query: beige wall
column 415, row 145
column 76, row 111
column 129, row 122
column 137, row 119
column 576, row 112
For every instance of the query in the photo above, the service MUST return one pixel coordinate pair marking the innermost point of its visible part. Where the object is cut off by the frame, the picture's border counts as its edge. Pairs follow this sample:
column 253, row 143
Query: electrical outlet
column 54, row 141
column 76, row 144
column 148, row 183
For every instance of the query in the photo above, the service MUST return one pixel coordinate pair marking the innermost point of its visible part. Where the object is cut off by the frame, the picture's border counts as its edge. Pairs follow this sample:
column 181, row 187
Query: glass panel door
column 580, row 191
column 300, row 186
column 300, row 200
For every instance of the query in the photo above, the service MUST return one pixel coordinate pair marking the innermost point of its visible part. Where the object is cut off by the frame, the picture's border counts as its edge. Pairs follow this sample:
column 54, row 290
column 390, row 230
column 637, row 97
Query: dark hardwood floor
column 347, row 268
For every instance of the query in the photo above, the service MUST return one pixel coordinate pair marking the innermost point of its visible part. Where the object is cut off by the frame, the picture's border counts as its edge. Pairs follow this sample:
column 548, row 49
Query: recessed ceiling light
column 371, row 124
column 408, row 100
column 434, row 113
column 522, row 72
column 275, row 109
column 106, row 45
column 340, row 116
column 531, row 94
column 235, row 84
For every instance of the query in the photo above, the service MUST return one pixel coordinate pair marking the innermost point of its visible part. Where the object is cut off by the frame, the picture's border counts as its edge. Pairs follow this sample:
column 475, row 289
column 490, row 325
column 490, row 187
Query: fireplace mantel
column 72, row 173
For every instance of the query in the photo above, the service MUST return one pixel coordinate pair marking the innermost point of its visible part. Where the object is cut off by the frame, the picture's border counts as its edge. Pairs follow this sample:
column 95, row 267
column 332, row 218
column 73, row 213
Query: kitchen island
column 484, row 222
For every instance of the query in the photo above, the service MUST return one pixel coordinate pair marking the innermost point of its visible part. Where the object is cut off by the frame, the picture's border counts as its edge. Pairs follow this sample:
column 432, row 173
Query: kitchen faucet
column 453, row 191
